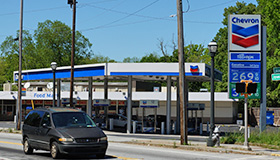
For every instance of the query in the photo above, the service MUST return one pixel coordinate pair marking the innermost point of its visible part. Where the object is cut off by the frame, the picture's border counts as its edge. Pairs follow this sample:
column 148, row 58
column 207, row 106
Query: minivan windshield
column 72, row 119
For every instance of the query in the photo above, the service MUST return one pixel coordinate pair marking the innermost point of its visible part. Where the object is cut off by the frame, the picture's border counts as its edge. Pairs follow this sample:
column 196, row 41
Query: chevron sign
column 244, row 33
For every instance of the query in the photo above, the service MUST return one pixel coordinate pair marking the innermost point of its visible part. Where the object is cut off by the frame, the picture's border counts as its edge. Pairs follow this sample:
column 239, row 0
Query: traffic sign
column 275, row 77
column 244, row 71
column 276, row 70
column 234, row 95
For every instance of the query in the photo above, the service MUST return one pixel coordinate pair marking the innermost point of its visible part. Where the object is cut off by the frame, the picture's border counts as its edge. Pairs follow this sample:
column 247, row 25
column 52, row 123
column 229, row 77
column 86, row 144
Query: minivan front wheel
column 26, row 147
column 55, row 151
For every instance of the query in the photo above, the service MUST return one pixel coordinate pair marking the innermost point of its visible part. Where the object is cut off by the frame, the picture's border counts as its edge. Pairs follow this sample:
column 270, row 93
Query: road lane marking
column 124, row 158
column 274, row 154
column 11, row 143
column 127, row 158
column 2, row 158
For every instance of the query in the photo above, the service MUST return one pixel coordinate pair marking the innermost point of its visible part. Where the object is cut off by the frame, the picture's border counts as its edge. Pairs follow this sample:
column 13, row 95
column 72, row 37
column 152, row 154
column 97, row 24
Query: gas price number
column 238, row 76
column 245, row 71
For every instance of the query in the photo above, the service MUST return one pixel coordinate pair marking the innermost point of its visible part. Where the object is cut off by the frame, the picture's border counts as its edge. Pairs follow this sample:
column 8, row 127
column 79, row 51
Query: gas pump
column 149, row 123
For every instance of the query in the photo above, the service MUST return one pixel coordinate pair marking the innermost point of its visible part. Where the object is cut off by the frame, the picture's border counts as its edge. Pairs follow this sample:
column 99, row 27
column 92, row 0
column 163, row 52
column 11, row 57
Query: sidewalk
column 197, row 143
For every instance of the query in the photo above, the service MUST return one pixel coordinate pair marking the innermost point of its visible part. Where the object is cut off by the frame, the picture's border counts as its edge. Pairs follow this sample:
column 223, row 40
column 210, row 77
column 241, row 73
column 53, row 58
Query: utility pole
column 19, row 104
column 183, row 122
column 73, row 51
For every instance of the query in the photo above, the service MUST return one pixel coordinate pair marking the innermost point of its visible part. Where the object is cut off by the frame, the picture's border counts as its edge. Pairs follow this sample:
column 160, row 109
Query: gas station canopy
column 120, row 71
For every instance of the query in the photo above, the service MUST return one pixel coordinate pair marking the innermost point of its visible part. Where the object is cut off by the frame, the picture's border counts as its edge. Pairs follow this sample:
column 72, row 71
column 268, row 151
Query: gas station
column 129, row 72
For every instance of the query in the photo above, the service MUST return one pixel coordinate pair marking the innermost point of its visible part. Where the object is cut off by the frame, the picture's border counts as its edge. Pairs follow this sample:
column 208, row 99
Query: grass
column 267, row 138
column 10, row 130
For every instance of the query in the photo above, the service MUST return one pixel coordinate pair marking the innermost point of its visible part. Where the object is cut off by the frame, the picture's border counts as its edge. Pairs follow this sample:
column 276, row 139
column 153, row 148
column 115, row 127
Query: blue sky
column 122, row 28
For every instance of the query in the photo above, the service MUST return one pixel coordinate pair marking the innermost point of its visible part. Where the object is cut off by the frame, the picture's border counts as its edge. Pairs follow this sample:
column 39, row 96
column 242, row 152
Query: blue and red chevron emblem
column 245, row 37
column 194, row 68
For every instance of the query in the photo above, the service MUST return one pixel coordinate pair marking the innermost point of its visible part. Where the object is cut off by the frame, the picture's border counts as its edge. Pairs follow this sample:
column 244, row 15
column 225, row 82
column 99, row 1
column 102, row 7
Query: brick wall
column 255, row 115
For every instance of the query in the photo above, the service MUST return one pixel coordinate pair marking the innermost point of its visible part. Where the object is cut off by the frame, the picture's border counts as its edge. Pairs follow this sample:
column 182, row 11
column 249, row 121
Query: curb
column 197, row 147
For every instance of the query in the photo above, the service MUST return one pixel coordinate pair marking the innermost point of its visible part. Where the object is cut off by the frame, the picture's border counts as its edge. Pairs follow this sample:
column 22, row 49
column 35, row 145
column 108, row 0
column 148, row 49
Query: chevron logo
column 245, row 37
column 194, row 68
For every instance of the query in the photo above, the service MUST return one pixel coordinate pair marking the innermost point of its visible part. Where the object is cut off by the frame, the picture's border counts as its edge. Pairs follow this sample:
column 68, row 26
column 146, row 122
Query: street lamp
column 53, row 66
column 212, row 46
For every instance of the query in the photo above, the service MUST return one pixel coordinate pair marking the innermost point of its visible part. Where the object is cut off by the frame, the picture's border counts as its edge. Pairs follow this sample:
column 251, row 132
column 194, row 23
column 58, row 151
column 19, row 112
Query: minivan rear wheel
column 26, row 147
column 54, row 150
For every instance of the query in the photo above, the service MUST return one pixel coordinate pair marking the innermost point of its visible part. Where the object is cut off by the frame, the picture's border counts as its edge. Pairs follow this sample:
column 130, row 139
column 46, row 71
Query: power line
column 54, row 8
column 105, row 10
column 120, row 19
column 195, row 10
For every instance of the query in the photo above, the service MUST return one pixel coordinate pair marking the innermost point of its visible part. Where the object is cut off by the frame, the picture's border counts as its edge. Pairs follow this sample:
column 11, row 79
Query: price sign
column 245, row 71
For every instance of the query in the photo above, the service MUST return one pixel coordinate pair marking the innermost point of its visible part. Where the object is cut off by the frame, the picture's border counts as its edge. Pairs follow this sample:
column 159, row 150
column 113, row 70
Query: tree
column 2, row 73
column 152, row 57
column 270, row 18
column 97, row 59
column 131, row 60
column 10, row 52
column 54, row 41
column 51, row 42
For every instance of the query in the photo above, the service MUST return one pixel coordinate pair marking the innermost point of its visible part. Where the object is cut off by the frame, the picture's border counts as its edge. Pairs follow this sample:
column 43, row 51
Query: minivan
column 62, row 131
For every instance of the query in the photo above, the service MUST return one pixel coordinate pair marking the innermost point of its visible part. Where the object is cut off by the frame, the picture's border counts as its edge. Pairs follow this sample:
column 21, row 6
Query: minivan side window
column 34, row 118
column 46, row 119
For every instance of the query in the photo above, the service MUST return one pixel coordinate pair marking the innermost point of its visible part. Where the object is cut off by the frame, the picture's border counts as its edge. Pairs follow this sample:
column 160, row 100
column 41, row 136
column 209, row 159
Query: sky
column 122, row 28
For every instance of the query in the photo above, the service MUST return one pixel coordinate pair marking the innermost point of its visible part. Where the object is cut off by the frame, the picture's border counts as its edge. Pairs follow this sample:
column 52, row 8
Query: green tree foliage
column 51, row 42
column 131, row 60
column 269, row 10
column 152, row 57
column 193, row 53
column 97, row 59
column 2, row 73
column 10, row 52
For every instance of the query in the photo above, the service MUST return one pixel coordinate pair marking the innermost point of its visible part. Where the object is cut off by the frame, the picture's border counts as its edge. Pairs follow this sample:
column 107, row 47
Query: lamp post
column 212, row 46
column 53, row 66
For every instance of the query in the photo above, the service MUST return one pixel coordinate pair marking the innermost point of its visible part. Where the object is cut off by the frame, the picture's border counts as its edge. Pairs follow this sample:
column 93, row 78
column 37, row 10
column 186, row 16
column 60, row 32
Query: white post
column 111, row 124
column 249, row 132
column 134, row 127
column 162, row 127
column 246, row 144
column 175, row 127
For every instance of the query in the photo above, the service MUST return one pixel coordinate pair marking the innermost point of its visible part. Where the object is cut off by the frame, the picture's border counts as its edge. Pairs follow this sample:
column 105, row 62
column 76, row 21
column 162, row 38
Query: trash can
column 269, row 117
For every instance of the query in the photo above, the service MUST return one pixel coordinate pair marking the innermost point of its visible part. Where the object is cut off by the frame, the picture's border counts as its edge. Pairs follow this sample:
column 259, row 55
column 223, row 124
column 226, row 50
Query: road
column 11, row 148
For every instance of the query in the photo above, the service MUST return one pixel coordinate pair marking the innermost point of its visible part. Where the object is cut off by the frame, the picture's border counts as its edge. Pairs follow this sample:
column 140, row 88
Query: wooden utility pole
column 73, row 54
column 183, row 122
column 19, row 104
